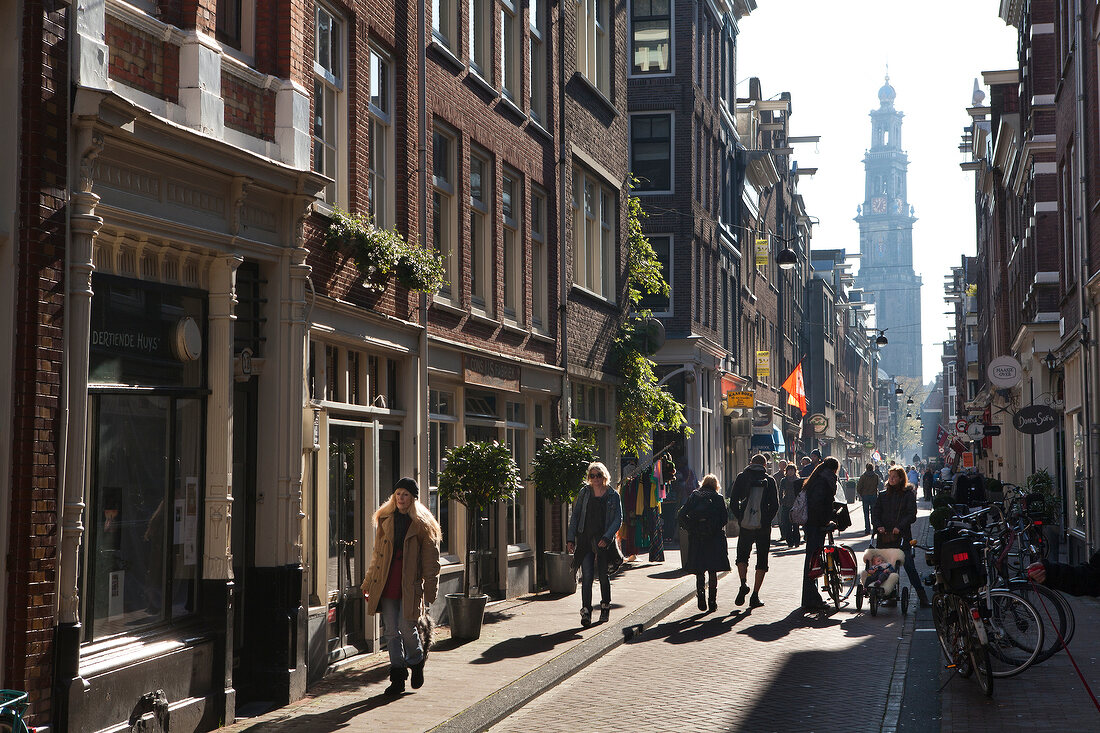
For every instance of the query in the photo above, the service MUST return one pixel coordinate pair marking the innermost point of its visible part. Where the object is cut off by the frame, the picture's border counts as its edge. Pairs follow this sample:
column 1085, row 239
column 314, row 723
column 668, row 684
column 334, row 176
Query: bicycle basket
column 961, row 566
column 1034, row 506
column 816, row 571
column 846, row 558
column 942, row 537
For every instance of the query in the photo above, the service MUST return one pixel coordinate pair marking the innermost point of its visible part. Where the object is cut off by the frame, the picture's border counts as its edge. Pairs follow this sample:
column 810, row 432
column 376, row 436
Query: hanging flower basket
column 380, row 253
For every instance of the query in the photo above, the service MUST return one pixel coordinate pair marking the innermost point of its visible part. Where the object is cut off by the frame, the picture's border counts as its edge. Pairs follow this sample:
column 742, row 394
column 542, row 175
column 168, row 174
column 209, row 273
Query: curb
column 490, row 710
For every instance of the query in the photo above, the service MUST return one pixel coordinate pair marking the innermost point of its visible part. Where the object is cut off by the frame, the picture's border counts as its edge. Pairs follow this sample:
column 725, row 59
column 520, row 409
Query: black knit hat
column 409, row 485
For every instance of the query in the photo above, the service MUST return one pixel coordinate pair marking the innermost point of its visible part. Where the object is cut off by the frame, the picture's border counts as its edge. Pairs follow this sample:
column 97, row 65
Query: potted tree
column 558, row 471
column 476, row 475
column 1041, row 482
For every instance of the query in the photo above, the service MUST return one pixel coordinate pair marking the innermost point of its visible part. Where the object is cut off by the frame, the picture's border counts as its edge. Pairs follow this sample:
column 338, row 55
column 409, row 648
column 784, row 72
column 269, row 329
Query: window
column 660, row 304
column 510, row 39
column 593, row 48
column 441, row 436
column 515, row 436
column 444, row 231
column 481, row 191
column 536, row 69
column 328, row 100
column 512, row 275
column 481, row 36
column 445, row 23
column 380, row 153
column 540, row 286
column 593, row 229
column 651, row 35
column 591, row 413
column 651, row 151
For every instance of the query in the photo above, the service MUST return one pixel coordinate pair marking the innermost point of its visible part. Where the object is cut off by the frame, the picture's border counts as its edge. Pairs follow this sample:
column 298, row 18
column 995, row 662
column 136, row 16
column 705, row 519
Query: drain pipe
column 564, row 403
column 422, row 164
column 1088, row 344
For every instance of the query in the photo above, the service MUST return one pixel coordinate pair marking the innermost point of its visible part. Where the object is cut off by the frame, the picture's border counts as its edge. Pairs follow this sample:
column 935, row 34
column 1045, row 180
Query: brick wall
column 248, row 109
column 141, row 61
column 36, row 420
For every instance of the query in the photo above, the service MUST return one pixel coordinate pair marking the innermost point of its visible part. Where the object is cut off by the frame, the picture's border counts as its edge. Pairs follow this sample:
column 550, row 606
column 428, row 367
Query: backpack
column 800, row 510
column 751, row 517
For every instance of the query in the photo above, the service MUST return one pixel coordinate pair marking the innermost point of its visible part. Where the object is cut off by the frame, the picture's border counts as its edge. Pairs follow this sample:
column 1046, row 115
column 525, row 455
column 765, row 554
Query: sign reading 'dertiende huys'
column 146, row 334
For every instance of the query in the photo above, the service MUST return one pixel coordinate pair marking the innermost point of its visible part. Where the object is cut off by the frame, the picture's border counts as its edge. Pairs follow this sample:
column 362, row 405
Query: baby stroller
column 885, row 589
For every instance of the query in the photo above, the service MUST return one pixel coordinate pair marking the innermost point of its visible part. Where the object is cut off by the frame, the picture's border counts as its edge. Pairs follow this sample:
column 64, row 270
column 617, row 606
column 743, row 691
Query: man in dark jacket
column 1077, row 580
column 807, row 468
column 754, row 501
column 789, row 487
column 867, row 488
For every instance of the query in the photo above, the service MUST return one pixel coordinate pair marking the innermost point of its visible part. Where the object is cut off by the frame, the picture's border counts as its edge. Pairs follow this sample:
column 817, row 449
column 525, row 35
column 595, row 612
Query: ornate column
column 294, row 353
column 218, row 557
column 84, row 225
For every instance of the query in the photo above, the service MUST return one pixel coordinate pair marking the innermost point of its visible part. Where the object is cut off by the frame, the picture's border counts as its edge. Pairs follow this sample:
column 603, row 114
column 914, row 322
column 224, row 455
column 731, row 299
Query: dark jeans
column 707, row 575
column 911, row 571
column 815, row 540
column 788, row 531
column 868, row 506
column 592, row 565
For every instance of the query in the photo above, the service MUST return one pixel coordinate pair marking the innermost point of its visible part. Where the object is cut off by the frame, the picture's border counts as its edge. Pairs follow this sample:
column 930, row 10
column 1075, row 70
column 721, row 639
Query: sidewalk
column 527, row 645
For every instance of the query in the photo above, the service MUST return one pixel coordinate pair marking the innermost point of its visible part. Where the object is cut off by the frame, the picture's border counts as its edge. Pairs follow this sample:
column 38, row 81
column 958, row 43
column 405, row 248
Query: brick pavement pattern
column 766, row 669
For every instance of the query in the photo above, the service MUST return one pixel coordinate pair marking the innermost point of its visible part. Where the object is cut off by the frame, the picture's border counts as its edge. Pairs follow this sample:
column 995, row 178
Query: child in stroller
column 880, row 578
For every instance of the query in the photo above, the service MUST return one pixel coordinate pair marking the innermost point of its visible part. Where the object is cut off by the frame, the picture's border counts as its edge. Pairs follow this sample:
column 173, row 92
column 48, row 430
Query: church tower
column 886, row 242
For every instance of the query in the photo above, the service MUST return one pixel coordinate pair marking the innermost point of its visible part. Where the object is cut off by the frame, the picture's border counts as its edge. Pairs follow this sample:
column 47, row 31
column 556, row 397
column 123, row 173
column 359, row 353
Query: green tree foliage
column 559, row 467
column 643, row 405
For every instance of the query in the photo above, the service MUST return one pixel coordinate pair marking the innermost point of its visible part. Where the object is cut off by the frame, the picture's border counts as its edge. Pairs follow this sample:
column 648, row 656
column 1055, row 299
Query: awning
column 780, row 444
column 773, row 442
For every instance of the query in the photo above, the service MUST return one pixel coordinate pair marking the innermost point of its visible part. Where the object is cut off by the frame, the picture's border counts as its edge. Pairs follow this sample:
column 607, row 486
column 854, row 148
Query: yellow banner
column 763, row 364
column 762, row 252
column 740, row 399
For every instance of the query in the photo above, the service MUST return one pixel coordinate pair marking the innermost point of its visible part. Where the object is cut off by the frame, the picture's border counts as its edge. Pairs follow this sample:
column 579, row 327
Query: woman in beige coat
column 402, row 578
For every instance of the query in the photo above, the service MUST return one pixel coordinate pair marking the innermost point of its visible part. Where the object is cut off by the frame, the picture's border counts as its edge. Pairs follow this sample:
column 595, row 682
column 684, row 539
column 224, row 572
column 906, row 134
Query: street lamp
column 786, row 259
column 882, row 340
column 1050, row 360
column 909, row 401
column 899, row 391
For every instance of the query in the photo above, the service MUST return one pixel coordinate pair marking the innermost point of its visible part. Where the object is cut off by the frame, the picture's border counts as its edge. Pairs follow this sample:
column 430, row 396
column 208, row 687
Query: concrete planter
column 466, row 615
column 560, row 574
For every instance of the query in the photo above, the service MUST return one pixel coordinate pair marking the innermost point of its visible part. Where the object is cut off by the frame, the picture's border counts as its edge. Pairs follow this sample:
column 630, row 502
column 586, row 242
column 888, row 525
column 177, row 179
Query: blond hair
column 417, row 512
column 709, row 481
column 601, row 468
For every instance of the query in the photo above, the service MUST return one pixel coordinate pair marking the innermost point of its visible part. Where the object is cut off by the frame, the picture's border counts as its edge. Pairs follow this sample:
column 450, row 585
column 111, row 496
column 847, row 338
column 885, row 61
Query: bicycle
column 838, row 569
column 13, row 705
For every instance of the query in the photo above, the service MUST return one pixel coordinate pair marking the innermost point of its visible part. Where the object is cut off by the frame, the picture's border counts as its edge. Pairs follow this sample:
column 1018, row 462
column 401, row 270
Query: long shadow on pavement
column 330, row 720
column 525, row 646
column 693, row 628
column 796, row 619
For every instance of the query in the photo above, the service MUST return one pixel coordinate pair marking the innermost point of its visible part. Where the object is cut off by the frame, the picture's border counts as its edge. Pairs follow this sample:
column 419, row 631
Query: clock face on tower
column 878, row 205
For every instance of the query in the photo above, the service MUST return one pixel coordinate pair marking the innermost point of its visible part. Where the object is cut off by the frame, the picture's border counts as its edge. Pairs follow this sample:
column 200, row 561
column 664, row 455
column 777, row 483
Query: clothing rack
column 643, row 466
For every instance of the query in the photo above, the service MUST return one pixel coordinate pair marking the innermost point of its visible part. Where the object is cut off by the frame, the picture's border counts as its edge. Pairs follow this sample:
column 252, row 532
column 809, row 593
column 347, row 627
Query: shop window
column 144, row 512
column 441, row 436
column 515, row 435
column 480, row 404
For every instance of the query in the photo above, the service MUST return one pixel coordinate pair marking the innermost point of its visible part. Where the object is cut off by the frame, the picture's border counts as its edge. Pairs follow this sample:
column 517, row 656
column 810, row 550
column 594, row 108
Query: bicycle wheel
column 939, row 620
column 832, row 582
column 1014, row 632
column 1055, row 614
column 979, row 656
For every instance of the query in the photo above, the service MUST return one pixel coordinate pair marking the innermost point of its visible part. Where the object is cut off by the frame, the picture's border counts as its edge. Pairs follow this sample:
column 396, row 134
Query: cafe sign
column 819, row 423
column 1034, row 419
column 490, row 373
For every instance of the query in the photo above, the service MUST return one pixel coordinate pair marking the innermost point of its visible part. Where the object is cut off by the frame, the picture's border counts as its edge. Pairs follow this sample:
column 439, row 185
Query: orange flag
column 796, row 388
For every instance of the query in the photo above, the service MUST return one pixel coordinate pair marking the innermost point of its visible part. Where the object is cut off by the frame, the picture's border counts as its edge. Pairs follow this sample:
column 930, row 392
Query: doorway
column 345, row 527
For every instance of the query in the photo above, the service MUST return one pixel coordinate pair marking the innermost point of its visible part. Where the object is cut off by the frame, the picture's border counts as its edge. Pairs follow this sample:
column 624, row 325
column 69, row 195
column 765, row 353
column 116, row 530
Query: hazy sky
column 832, row 58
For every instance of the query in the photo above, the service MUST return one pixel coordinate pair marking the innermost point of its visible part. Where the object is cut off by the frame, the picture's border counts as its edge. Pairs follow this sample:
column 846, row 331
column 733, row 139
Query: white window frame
column 671, row 40
column 540, row 284
column 480, row 46
column 517, row 433
column 247, row 11
column 444, row 208
column 593, row 43
column 593, row 234
column 445, row 23
column 536, row 62
column 670, row 188
column 511, row 245
column 328, row 76
column 481, row 271
column 511, row 41
column 380, row 153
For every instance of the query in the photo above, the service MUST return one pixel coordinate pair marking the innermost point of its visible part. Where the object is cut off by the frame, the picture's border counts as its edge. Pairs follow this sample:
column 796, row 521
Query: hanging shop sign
column 869, row 445
column 490, row 373
column 1034, row 419
column 975, row 431
column 819, row 423
column 763, row 364
column 854, row 452
column 1004, row 372
column 968, row 459
column 991, row 430
column 741, row 399
column 762, row 252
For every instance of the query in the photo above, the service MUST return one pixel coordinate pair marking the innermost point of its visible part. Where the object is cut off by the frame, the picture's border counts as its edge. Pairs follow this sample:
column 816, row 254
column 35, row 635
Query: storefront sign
column 762, row 252
column 869, row 445
column 991, row 430
column 1034, row 419
column 854, row 453
column 741, row 399
column 819, row 423
column 763, row 364
column 968, row 459
column 490, row 373
column 1004, row 372
column 975, row 431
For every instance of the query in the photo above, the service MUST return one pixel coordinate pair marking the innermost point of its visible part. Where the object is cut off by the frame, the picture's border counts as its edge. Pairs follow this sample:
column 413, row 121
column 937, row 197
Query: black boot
column 397, row 680
column 418, row 675
column 605, row 612
column 713, row 598
column 699, row 595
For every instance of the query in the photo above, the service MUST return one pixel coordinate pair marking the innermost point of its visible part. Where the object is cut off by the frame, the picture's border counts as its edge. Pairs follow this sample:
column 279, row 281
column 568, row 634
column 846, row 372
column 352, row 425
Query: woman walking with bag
column 403, row 578
column 704, row 518
column 596, row 517
column 893, row 516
